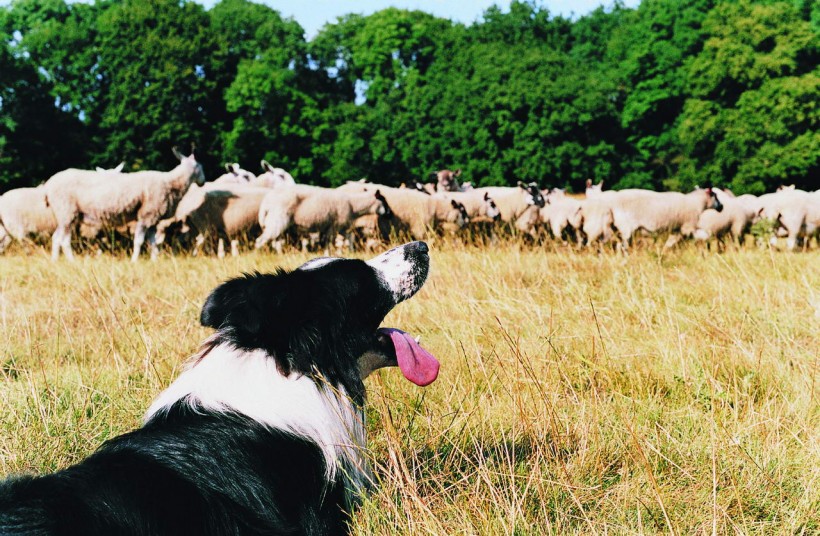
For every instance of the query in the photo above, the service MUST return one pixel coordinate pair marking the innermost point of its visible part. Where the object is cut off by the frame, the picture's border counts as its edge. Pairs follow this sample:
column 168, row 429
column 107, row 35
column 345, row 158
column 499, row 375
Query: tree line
column 669, row 95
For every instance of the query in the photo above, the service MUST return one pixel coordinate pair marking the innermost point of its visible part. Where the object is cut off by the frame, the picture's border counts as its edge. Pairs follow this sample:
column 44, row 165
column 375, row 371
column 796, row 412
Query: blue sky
column 313, row 14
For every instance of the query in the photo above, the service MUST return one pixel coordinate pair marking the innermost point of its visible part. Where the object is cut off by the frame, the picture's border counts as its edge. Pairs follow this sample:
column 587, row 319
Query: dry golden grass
column 578, row 393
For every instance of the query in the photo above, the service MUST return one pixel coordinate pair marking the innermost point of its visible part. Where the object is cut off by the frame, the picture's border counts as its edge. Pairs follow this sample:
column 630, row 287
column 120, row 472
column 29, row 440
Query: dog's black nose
column 422, row 247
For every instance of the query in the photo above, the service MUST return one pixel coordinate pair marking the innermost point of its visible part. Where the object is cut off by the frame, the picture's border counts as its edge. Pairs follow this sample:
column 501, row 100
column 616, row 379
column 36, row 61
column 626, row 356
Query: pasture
column 578, row 393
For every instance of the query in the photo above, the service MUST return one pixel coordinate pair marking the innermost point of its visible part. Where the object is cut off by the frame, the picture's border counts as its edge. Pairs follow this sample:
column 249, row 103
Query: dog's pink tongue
column 417, row 364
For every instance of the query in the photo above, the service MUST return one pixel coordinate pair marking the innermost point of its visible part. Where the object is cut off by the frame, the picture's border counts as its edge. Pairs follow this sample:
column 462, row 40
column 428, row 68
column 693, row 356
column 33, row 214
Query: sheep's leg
column 268, row 234
column 61, row 240
column 220, row 248
column 151, row 238
column 198, row 241
column 5, row 238
column 234, row 247
column 673, row 239
column 56, row 241
column 139, row 240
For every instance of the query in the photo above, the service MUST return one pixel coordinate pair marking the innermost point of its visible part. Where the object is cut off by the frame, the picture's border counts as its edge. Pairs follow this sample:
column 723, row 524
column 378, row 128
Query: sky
column 313, row 14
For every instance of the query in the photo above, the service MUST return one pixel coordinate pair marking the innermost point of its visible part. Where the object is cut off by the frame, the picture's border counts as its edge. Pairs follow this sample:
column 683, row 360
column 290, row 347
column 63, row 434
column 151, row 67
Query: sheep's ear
column 522, row 185
column 486, row 196
column 589, row 183
column 120, row 167
column 177, row 153
column 457, row 173
column 601, row 185
column 419, row 186
column 454, row 203
column 266, row 166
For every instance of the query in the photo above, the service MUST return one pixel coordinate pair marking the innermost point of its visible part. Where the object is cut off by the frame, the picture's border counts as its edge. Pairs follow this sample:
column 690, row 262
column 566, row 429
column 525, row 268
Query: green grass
column 578, row 393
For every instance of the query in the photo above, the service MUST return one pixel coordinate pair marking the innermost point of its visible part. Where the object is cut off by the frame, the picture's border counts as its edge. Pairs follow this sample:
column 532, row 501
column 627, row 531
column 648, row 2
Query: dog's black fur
column 190, row 470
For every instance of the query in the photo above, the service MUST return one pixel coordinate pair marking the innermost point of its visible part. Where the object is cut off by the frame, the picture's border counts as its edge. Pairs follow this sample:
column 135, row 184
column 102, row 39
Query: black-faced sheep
column 519, row 205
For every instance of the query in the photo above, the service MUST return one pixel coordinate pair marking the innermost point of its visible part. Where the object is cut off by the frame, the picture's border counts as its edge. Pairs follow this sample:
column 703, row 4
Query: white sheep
column 234, row 174
column 415, row 213
column 563, row 214
column 519, row 205
column 797, row 212
column 272, row 177
column 655, row 212
column 103, row 199
column 24, row 215
column 598, row 222
column 734, row 220
column 479, row 206
column 310, row 209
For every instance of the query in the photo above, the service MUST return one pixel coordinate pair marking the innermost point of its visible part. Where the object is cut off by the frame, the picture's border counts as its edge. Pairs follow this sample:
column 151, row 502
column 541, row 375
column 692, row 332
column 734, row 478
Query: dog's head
column 322, row 319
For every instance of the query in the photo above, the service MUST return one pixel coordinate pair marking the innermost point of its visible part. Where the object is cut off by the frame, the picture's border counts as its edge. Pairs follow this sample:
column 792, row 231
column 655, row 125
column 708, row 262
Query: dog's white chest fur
column 249, row 383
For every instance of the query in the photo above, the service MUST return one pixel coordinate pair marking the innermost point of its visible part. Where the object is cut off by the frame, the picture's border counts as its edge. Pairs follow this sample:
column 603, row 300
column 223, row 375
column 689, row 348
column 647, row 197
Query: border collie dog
column 263, row 433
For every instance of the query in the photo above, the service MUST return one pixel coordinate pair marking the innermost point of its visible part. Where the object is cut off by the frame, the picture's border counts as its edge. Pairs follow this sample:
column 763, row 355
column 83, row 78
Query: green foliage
column 667, row 95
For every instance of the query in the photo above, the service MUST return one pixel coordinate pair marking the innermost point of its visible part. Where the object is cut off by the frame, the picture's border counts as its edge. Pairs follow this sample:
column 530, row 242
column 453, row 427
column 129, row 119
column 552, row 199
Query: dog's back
column 185, row 472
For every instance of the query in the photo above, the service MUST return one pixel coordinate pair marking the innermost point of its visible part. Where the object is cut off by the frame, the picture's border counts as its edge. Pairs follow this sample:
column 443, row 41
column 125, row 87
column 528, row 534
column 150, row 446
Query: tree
column 752, row 120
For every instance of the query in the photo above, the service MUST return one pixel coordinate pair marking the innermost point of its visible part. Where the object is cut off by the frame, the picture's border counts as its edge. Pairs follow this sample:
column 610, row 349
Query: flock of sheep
column 153, row 206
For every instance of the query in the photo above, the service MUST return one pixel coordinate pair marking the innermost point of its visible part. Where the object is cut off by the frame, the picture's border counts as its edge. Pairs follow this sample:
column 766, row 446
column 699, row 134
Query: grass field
column 578, row 393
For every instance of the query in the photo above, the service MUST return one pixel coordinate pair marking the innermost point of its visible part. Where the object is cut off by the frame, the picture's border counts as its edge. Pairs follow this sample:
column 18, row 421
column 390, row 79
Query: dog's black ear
column 231, row 304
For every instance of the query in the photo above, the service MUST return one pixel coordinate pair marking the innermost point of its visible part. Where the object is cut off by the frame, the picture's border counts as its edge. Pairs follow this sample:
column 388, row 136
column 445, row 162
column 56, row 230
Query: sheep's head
column 383, row 209
column 197, row 174
column 447, row 180
column 459, row 214
column 242, row 175
column 535, row 197
column 712, row 200
column 490, row 208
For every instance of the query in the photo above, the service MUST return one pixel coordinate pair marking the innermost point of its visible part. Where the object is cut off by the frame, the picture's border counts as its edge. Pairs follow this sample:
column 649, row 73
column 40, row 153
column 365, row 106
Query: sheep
column 445, row 181
column 519, row 205
column 563, row 214
column 272, row 177
column 144, row 197
column 225, row 211
column 598, row 222
column 735, row 219
column 797, row 212
column 654, row 212
column 24, row 215
column 478, row 208
column 312, row 209
column 416, row 213
column 234, row 174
